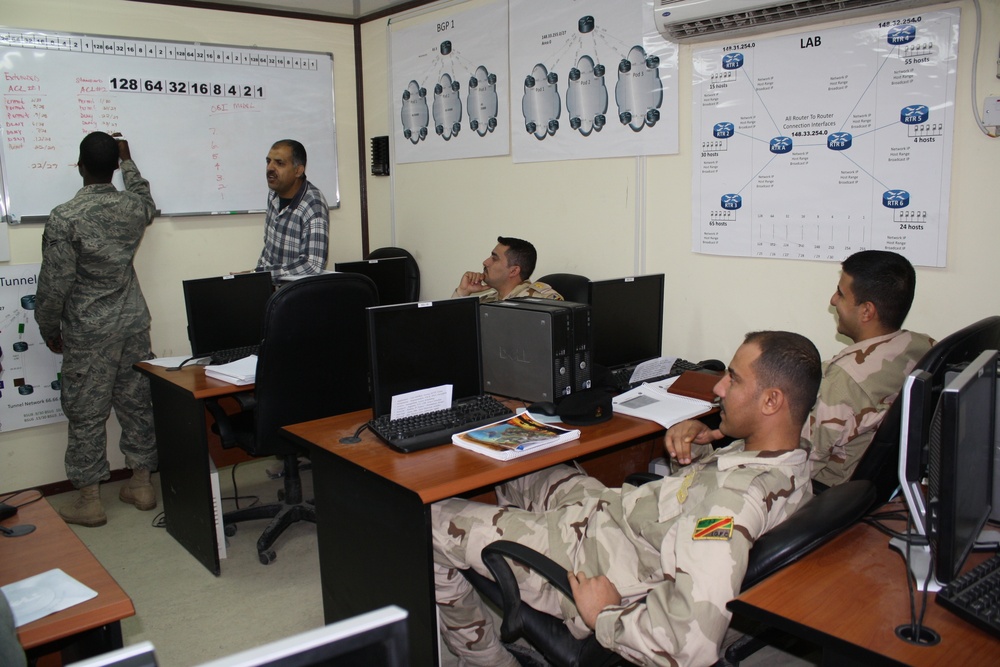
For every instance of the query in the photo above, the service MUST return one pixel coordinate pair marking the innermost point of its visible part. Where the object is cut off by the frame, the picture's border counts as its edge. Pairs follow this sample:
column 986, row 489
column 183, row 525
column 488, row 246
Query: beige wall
column 178, row 248
column 603, row 218
column 616, row 217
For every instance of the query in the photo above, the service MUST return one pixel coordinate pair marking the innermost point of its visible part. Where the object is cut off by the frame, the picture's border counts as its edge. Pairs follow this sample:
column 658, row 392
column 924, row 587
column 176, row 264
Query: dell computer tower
column 535, row 349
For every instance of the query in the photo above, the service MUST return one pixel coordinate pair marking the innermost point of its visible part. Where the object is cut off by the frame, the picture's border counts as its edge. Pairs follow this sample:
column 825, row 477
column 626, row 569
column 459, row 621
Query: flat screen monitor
column 947, row 438
column 960, row 474
column 424, row 344
column 626, row 319
column 389, row 276
column 137, row 655
column 226, row 312
column 376, row 638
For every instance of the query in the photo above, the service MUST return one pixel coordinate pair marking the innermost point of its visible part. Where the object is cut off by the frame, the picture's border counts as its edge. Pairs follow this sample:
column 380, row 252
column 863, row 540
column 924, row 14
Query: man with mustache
column 297, row 226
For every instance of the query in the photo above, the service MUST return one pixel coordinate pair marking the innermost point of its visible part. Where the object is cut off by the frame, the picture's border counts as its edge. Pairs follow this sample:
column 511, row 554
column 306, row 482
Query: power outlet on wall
column 991, row 111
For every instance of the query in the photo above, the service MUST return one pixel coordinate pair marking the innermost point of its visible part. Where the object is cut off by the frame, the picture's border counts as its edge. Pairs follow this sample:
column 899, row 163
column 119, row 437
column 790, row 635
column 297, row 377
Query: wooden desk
column 373, row 508
column 93, row 626
column 849, row 595
column 182, row 444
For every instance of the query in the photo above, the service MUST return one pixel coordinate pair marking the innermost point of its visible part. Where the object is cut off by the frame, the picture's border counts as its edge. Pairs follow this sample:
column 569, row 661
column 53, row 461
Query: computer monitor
column 137, row 655
column 389, row 276
column 376, row 638
column 424, row 344
column 948, row 433
column 226, row 312
column 626, row 316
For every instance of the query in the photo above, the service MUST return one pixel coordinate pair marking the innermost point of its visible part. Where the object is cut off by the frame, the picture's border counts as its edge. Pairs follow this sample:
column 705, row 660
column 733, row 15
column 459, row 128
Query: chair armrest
column 224, row 423
column 819, row 520
column 494, row 557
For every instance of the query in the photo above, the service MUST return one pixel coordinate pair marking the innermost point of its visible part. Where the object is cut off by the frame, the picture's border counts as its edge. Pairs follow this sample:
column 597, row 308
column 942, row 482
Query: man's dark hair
column 298, row 150
column 520, row 253
column 791, row 363
column 887, row 280
column 99, row 155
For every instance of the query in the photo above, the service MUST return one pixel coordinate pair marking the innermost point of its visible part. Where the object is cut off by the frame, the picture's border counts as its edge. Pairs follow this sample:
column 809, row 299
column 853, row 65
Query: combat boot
column 138, row 491
column 86, row 510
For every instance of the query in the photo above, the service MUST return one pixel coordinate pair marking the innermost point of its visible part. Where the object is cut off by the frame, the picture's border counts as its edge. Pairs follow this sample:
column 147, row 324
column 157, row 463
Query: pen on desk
column 529, row 445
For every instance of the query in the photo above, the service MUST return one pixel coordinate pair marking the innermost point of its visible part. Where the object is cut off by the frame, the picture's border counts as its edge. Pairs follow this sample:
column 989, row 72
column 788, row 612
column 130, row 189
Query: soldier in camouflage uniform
column 652, row 567
column 859, row 384
column 505, row 274
column 90, row 308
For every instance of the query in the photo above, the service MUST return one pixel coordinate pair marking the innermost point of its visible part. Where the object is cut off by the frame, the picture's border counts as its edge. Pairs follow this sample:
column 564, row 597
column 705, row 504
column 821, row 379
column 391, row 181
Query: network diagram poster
column 30, row 375
column 820, row 144
column 590, row 78
column 449, row 84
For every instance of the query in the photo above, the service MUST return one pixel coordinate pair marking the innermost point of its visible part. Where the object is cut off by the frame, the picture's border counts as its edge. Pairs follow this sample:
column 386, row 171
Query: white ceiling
column 344, row 9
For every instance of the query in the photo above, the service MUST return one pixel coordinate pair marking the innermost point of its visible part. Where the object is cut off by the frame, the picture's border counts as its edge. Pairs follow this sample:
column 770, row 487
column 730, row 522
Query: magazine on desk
column 513, row 437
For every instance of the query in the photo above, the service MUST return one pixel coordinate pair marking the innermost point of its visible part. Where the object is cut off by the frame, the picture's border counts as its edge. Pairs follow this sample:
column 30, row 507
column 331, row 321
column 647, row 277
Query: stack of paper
column 513, row 437
column 653, row 402
column 242, row 371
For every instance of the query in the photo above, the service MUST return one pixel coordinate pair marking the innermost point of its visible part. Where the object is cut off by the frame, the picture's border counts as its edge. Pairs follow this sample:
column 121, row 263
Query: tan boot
column 86, row 510
column 138, row 491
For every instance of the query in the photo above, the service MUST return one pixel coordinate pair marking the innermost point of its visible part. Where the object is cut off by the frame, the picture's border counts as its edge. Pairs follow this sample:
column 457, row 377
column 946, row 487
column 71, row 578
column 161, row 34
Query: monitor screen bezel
column 462, row 317
column 389, row 275
column 601, row 330
column 206, row 339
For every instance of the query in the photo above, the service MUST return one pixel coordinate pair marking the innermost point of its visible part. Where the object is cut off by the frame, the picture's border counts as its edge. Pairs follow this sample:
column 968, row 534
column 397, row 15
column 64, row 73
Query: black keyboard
column 975, row 596
column 431, row 429
column 228, row 356
column 620, row 377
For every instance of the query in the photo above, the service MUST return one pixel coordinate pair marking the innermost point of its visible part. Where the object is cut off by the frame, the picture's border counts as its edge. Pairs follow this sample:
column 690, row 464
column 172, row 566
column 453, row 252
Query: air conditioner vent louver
column 696, row 20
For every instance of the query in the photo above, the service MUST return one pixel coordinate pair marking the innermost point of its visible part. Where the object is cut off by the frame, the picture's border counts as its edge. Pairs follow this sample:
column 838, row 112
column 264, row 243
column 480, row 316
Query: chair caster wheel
column 229, row 529
column 267, row 557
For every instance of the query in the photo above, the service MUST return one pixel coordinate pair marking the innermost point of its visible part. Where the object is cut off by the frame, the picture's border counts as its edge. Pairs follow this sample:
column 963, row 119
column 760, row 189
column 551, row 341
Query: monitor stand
column 918, row 559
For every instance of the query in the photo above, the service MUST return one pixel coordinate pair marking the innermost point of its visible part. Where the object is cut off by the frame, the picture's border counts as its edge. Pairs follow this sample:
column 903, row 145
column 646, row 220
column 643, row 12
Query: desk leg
column 374, row 542
column 186, row 486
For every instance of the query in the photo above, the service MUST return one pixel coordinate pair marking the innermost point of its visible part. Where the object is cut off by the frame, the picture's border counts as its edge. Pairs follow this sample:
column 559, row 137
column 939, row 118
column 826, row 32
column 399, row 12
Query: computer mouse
column 543, row 408
column 713, row 365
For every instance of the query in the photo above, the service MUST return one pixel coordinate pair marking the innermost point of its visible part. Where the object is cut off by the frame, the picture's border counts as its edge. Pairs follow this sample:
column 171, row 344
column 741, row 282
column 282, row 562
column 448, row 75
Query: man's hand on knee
column 592, row 595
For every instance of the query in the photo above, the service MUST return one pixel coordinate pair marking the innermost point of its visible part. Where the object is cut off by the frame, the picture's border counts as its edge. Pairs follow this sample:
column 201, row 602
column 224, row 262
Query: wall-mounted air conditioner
column 702, row 20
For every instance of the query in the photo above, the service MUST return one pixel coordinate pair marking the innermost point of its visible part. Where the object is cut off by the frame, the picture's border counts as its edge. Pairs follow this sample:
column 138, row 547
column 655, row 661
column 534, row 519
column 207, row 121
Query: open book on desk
column 653, row 401
column 513, row 437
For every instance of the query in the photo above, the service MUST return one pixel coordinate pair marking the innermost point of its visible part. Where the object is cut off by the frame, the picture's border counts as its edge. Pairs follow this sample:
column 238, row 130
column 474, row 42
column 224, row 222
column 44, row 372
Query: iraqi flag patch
column 714, row 528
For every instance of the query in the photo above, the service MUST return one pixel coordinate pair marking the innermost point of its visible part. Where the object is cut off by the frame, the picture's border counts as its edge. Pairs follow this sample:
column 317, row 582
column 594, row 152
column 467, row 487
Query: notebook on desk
column 225, row 314
column 419, row 346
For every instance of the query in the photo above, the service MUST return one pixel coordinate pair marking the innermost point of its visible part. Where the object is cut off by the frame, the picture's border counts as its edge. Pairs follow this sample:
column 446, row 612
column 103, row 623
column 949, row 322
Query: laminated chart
column 823, row 143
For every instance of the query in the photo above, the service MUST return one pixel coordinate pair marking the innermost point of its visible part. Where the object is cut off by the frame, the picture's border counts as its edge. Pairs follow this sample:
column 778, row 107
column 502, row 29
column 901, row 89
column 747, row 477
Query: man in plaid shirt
column 297, row 227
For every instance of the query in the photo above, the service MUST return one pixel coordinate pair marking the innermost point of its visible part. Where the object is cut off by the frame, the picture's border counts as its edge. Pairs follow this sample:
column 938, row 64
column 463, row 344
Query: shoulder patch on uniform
column 713, row 528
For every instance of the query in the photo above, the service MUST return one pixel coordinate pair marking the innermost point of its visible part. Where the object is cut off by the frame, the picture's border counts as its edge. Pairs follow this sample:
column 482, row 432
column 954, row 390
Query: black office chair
column 312, row 363
column 819, row 520
column 412, row 270
column 571, row 286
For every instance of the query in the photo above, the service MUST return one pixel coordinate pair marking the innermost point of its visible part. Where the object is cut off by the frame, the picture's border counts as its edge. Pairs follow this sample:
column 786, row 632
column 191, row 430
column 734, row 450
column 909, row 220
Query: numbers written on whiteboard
column 242, row 90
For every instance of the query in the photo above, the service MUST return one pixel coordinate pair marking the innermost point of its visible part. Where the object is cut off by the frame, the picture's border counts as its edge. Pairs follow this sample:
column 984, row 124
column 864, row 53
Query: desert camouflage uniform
column 859, row 384
column 674, row 585
column 89, row 294
column 527, row 288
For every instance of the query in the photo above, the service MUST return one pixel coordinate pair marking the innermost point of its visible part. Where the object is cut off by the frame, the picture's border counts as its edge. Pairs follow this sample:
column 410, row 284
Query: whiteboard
column 199, row 118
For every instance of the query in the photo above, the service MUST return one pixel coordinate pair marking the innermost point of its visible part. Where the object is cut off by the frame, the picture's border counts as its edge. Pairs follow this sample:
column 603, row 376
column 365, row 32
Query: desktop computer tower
column 535, row 349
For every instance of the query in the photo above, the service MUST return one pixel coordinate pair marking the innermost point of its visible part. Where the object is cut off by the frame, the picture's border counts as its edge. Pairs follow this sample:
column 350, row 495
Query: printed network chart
column 820, row 144
column 444, row 113
column 638, row 89
column 30, row 378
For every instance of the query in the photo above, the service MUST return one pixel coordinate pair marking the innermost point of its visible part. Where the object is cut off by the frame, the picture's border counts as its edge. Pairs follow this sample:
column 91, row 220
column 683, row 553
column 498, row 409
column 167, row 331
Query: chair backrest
column 412, row 270
column 821, row 519
column 313, row 359
column 880, row 462
column 571, row 286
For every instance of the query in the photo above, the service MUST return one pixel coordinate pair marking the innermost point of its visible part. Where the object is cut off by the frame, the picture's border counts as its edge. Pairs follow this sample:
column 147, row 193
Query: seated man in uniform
column 861, row 381
column 651, row 567
column 505, row 274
